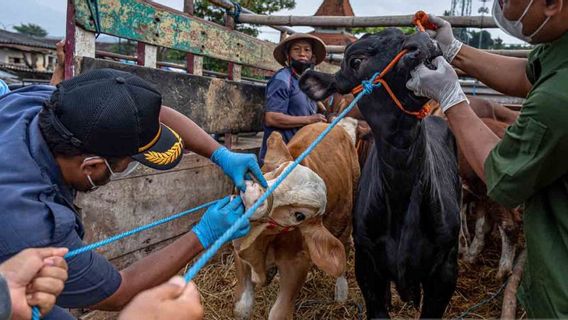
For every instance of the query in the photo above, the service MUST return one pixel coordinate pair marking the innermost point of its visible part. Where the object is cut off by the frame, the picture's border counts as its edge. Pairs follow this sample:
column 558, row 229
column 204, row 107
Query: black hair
column 58, row 145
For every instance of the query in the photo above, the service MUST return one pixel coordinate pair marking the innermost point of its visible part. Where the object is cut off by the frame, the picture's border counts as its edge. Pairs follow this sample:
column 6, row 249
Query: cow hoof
column 341, row 289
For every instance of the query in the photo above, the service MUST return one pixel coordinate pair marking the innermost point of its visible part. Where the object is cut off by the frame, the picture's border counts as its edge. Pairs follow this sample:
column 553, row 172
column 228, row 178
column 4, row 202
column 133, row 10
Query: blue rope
column 92, row 246
column 368, row 87
column 236, row 12
column 202, row 261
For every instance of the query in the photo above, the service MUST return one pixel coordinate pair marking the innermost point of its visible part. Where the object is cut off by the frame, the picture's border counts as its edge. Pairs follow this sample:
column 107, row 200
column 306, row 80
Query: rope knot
column 236, row 12
column 367, row 86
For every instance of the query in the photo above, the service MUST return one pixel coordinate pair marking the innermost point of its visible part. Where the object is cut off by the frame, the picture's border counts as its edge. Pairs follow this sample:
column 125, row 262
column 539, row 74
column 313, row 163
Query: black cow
column 406, row 220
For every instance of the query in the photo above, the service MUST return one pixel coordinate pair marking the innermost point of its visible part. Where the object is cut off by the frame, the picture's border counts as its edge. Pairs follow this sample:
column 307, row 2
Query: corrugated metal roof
column 7, row 37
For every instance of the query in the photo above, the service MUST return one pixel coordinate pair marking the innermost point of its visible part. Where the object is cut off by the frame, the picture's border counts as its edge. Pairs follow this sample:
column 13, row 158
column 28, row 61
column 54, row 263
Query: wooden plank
column 161, row 26
column 351, row 22
column 146, row 197
column 154, row 24
column 217, row 105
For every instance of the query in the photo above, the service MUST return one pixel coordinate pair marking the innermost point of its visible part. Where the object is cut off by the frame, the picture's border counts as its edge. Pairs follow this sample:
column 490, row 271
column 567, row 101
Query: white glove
column 444, row 35
column 441, row 84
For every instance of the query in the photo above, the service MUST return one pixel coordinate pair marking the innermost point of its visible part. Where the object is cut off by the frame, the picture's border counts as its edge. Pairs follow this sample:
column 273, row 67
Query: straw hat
column 318, row 47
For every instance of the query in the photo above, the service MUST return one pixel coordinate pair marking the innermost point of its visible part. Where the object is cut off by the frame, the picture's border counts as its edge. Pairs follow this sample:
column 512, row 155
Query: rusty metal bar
column 377, row 21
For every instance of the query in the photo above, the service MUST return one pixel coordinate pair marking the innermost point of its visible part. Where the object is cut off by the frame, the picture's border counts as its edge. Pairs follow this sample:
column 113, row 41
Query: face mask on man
column 514, row 28
column 132, row 165
column 300, row 66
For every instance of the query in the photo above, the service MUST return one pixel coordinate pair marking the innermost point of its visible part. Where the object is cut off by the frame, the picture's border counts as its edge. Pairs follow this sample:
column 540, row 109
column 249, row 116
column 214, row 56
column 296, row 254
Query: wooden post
column 194, row 64
column 79, row 43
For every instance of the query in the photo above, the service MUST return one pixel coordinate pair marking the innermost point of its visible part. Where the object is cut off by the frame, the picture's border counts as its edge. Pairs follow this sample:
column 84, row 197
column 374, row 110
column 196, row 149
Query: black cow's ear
column 317, row 85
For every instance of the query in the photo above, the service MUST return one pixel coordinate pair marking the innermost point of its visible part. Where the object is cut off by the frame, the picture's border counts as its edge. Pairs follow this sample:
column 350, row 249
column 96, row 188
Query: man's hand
column 218, row 219
column 441, row 84
column 318, row 117
column 444, row 35
column 173, row 300
column 237, row 166
column 59, row 69
column 35, row 277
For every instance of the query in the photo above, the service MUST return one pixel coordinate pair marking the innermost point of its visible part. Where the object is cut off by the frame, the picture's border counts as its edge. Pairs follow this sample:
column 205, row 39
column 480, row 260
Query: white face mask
column 132, row 165
column 514, row 28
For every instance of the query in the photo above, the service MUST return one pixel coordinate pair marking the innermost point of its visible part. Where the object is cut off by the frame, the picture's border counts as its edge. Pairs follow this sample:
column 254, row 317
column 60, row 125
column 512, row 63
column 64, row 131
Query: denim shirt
column 37, row 205
column 283, row 95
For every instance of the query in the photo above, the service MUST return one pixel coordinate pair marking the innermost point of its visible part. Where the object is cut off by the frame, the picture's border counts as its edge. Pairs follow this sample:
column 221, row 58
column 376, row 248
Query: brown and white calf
column 307, row 220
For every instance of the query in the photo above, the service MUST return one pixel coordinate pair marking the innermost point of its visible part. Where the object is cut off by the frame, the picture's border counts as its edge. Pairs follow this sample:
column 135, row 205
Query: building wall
column 43, row 62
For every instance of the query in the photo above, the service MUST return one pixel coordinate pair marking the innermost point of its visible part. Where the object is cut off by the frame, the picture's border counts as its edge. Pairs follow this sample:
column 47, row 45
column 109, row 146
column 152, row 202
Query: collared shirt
column 37, row 205
column 529, row 166
column 283, row 95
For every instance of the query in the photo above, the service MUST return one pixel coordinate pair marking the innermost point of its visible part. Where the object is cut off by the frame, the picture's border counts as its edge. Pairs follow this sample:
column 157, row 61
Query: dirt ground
column 478, row 295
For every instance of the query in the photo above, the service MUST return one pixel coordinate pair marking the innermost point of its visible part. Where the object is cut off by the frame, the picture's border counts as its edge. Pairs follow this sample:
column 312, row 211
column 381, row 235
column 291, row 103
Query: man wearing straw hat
column 287, row 108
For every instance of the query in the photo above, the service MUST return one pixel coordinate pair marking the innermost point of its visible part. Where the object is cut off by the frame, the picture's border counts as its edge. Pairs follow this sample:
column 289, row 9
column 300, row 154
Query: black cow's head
column 371, row 54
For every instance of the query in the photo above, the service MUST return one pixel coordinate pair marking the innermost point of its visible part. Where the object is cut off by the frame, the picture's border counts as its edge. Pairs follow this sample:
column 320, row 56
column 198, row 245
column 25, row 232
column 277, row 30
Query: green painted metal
column 160, row 26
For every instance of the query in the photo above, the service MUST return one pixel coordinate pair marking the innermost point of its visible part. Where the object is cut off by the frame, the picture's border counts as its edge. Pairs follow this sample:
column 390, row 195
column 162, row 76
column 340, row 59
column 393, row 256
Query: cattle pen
column 231, row 106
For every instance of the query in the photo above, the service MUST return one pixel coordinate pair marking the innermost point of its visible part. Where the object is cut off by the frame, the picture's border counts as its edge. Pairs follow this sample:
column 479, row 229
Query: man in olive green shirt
column 530, row 164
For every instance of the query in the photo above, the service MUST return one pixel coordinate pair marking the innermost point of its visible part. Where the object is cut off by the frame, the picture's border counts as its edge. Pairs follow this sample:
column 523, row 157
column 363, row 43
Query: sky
column 50, row 14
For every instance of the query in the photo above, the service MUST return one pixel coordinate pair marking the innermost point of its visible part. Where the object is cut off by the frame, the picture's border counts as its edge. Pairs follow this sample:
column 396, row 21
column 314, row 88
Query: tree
column 363, row 30
column 31, row 29
column 486, row 41
column 204, row 9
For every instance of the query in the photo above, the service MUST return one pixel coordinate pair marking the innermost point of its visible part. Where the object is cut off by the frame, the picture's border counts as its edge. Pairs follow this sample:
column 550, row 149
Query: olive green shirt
column 530, row 166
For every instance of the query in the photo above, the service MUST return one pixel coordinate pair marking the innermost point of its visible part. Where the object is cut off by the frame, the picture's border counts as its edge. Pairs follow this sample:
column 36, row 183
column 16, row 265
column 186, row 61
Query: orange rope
column 421, row 21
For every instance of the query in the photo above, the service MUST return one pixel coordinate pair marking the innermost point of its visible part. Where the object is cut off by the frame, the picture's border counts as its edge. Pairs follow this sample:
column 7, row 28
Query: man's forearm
column 284, row 121
column 504, row 74
column 152, row 270
column 474, row 138
column 194, row 138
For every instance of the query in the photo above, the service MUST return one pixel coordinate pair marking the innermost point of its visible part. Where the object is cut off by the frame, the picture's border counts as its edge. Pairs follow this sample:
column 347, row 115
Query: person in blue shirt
column 77, row 137
column 287, row 108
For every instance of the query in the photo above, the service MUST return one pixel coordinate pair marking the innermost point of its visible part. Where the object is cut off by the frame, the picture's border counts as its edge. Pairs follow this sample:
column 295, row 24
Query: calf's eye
column 299, row 216
column 355, row 63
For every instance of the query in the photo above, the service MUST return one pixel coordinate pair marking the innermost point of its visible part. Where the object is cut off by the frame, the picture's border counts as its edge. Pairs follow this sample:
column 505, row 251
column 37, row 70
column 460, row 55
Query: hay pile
column 476, row 283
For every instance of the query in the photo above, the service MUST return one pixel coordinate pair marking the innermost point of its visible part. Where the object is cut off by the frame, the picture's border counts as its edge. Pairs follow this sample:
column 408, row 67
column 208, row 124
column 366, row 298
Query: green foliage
column 31, row 29
column 204, row 9
column 363, row 30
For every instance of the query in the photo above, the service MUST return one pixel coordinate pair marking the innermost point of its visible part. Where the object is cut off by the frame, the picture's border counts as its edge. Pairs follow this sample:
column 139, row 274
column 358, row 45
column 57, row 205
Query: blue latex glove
column 237, row 166
column 218, row 219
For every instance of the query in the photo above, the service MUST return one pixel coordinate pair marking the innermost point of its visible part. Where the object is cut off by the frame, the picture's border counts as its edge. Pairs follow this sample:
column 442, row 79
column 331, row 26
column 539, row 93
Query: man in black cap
column 91, row 129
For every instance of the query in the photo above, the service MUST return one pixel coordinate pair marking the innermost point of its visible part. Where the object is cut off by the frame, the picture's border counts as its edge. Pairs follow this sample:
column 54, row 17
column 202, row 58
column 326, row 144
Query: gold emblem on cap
column 167, row 157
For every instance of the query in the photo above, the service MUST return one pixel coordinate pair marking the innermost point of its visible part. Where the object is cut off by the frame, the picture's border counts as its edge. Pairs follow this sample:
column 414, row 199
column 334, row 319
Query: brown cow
column 308, row 219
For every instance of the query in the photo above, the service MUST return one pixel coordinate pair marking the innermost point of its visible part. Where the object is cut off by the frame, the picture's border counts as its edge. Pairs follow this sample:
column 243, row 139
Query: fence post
column 79, row 43
column 194, row 64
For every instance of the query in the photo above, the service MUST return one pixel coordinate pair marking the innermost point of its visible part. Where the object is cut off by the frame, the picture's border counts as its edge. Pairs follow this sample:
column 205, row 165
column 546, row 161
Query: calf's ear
column 317, row 85
column 276, row 153
column 326, row 251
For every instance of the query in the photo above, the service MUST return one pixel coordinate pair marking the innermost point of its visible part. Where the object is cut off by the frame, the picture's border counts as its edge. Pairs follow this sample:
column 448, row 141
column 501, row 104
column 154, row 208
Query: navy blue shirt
column 37, row 206
column 283, row 95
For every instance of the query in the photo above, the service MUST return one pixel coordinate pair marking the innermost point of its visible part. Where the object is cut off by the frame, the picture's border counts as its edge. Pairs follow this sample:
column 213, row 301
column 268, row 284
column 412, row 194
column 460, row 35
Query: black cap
column 112, row 113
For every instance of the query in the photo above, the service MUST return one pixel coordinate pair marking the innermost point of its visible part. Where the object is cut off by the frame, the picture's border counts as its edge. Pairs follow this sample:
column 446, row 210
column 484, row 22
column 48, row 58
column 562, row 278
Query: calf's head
column 297, row 203
column 371, row 54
